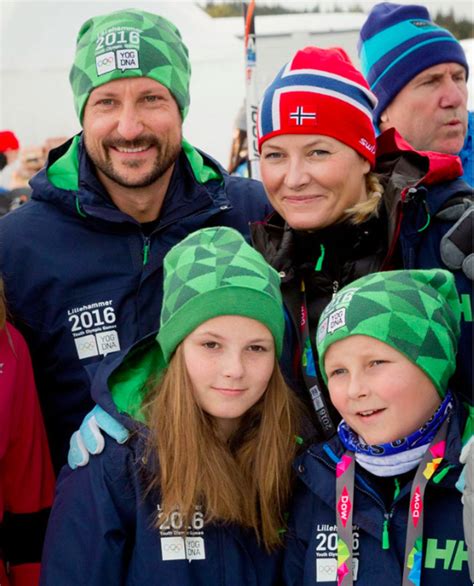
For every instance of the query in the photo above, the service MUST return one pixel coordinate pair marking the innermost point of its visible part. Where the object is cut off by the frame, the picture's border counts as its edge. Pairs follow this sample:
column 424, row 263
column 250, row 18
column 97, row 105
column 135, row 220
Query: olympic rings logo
column 106, row 61
column 87, row 345
column 174, row 547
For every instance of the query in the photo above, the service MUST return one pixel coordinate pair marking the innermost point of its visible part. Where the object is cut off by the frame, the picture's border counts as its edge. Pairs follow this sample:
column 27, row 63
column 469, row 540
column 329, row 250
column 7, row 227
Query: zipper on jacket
column 319, row 263
column 407, row 194
column 79, row 209
column 335, row 287
column 385, row 534
column 396, row 235
column 428, row 216
column 146, row 250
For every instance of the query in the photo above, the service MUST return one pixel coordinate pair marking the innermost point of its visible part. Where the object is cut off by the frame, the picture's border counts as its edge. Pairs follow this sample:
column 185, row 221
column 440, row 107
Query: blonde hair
column 244, row 480
column 363, row 210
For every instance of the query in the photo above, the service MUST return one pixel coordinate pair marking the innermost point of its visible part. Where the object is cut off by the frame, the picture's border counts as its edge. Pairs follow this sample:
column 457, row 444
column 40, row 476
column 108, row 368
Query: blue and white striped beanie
column 396, row 43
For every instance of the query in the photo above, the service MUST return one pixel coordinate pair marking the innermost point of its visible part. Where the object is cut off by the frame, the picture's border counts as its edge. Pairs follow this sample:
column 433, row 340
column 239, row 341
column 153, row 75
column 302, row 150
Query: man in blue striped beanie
column 418, row 71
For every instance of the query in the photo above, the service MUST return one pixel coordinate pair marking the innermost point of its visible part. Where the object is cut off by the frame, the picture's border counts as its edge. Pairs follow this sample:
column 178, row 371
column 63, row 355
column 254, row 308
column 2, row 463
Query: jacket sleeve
column 26, row 473
column 88, row 540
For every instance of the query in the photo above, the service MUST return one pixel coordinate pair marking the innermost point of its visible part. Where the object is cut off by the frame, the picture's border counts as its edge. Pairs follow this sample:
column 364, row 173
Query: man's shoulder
column 247, row 193
column 117, row 463
column 32, row 218
column 245, row 186
column 18, row 219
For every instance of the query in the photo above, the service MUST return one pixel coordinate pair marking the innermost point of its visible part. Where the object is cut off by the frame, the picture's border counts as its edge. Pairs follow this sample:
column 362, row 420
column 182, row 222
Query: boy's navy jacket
column 310, row 556
column 100, row 530
column 83, row 279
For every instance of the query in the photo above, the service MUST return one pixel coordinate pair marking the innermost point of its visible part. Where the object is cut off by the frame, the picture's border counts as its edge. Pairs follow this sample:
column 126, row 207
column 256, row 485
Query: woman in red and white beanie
column 335, row 218
column 318, row 112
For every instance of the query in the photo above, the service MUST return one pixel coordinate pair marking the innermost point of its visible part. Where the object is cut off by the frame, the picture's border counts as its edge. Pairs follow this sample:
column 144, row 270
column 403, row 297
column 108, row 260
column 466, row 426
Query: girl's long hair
column 244, row 480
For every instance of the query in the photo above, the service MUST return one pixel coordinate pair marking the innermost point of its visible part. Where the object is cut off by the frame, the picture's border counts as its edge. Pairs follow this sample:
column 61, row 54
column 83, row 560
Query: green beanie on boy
column 130, row 43
column 215, row 272
column 416, row 312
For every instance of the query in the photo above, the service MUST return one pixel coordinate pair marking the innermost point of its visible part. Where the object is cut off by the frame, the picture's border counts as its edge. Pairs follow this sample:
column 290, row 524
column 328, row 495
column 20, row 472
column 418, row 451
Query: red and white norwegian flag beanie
column 320, row 92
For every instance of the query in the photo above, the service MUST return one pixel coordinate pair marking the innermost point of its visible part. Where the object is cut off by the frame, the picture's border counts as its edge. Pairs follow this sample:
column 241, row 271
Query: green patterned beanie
column 130, row 43
column 215, row 272
column 416, row 312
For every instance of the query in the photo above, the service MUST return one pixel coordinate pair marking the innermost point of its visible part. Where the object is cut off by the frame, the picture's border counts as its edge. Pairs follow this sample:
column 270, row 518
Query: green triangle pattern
column 214, row 258
column 162, row 54
column 417, row 312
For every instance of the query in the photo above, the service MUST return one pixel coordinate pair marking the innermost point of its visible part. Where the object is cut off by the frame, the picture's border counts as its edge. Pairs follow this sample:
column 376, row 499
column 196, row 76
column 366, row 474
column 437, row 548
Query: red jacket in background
column 26, row 474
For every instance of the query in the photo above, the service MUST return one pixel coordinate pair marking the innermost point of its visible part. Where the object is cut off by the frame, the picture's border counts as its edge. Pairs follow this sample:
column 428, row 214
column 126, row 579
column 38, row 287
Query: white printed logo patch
column 86, row 346
column 172, row 548
column 107, row 342
column 326, row 569
column 105, row 63
column 326, row 553
column 94, row 329
column 127, row 59
column 337, row 320
column 182, row 548
column 176, row 544
column 195, row 548
column 121, row 59
column 322, row 331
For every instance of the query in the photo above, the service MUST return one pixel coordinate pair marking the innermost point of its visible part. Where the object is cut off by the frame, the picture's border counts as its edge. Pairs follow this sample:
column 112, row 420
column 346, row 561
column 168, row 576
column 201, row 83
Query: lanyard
column 345, row 474
column 308, row 368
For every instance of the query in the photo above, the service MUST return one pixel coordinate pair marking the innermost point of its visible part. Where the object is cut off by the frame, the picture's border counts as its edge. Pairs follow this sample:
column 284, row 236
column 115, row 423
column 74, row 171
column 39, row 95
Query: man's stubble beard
column 166, row 156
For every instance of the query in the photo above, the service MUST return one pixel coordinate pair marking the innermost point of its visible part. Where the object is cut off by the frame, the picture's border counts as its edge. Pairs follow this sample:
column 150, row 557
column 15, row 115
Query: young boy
column 379, row 498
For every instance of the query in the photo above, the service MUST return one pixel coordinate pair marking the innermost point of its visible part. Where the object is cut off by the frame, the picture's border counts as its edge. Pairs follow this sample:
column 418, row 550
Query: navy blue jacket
column 417, row 229
column 311, row 551
column 467, row 152
column 100, row 530
column 100, row 533
column 82, row 279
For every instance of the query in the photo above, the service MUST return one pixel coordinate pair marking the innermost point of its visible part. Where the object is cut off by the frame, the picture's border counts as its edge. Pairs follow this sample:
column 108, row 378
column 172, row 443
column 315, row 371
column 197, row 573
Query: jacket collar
column 317, row 469
column 324, row 456
column 438, row 167
column 69, row 180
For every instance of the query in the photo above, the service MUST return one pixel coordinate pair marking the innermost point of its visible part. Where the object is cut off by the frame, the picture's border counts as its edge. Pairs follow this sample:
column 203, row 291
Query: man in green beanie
column 84, row 279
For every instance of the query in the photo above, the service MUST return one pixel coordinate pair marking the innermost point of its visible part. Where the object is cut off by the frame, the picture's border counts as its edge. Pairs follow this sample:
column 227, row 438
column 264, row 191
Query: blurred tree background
column 460, row 28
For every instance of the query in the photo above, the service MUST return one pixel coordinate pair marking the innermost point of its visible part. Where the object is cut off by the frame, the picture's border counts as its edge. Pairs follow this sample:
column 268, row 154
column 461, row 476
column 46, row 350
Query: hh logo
column 453, row 555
